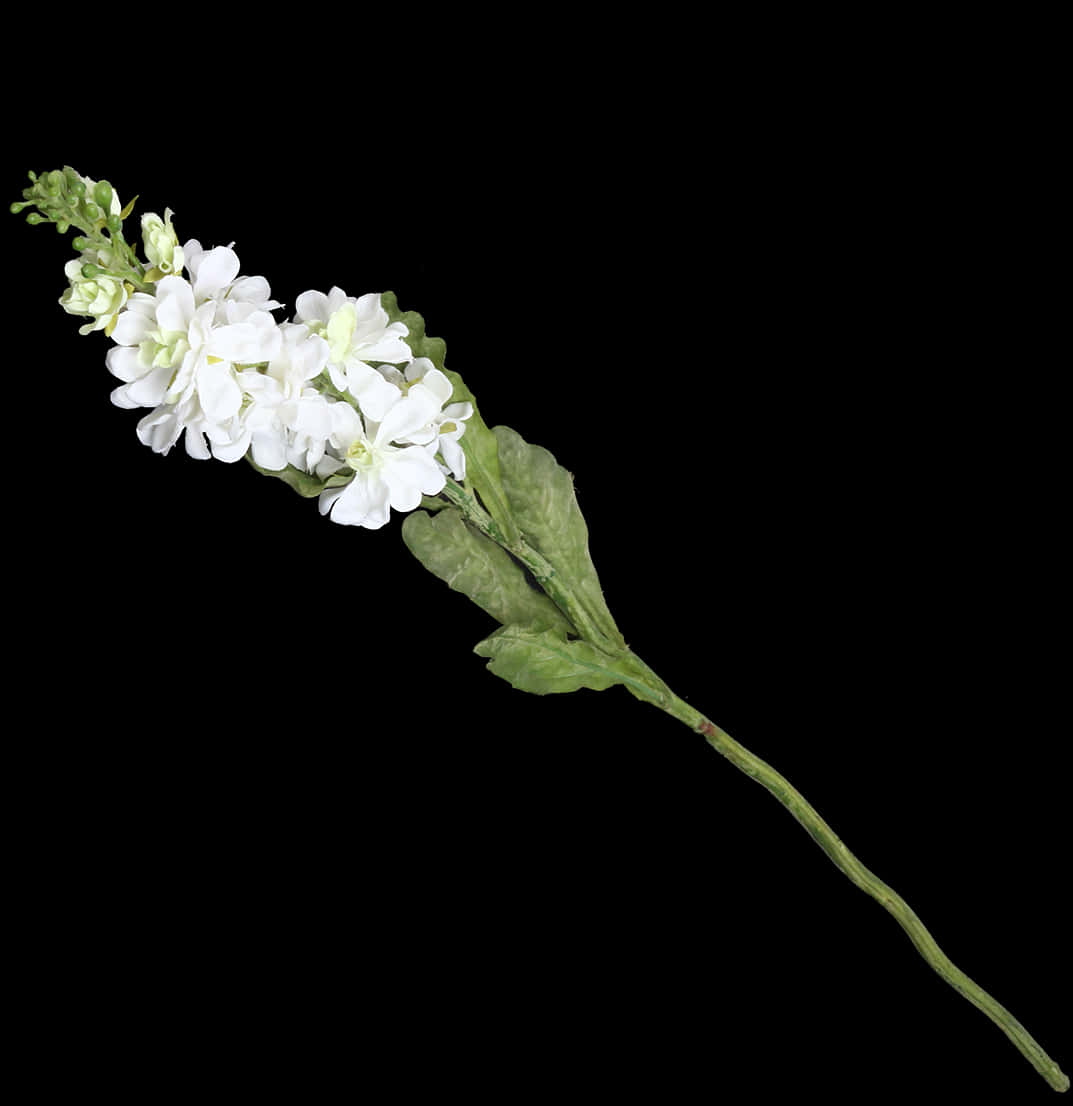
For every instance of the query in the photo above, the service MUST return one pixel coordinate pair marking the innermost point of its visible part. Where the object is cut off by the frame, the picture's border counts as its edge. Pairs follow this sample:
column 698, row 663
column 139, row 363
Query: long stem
column 866, row 880
column 647, row 685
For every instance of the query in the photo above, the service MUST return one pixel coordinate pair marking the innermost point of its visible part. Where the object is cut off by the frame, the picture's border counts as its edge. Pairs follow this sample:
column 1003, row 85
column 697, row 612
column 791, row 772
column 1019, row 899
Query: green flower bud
column 115, row 225
column 54, row 182
column 80, row 243
column 34, row 219
column 102, row 193
column 92, row 212
column 62, row 225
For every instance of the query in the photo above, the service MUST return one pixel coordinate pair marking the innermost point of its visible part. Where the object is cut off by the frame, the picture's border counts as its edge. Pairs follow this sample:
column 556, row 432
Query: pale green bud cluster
column 107, row 268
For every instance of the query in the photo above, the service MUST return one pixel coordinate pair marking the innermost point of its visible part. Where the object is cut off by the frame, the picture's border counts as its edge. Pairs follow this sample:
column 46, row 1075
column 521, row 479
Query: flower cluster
column 336, row 392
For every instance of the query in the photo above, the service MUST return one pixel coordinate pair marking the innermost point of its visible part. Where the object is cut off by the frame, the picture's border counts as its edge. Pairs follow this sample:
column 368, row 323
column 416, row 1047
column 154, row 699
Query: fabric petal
column 149, row 390
column 408, row 416
column 409, row 474
column 218, row 268
column 218, row 391
column 374, row 394
column 124, row 363
column 363, row 502
column 312, row 305
column 132, row 327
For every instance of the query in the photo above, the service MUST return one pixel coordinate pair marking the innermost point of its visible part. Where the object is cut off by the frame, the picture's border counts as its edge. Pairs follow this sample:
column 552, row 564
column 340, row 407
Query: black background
column 790, row 327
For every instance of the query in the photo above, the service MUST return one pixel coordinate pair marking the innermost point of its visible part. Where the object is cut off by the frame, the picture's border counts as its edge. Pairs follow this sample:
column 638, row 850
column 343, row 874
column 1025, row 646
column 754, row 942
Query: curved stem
column 866, row 880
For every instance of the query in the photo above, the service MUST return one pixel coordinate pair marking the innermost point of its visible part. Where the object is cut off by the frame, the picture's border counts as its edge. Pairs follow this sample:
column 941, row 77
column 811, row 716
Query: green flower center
column 359, row 455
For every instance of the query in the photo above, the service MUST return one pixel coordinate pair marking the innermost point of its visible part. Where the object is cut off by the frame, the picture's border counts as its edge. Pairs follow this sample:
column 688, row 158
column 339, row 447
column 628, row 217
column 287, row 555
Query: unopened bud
column 102, row 193
column 62, row 225
column 91, row 271
column 115, row 225
column 34, row 219
column 93, row 212
column 54, row 182
column 79, row 243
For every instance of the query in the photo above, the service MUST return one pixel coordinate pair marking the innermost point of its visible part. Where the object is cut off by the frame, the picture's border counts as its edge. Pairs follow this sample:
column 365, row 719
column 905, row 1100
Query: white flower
column 288, row 419
column 386, row 475
column 101, row 296
column 179, row 351
column 358, row 331
column 162, row 249
column 446, row 426
column 449, row 428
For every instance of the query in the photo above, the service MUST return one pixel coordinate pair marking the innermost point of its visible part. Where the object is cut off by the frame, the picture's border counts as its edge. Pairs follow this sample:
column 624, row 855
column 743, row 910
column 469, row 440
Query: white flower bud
column 162, row 249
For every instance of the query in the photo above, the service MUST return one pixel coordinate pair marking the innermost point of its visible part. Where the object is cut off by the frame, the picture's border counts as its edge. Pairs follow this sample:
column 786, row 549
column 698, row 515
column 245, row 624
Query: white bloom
column 358, row 331
column 446, row 426
column 449, row 428
column 386, row 475
column 288, row 419
column 179, row 351
column 101, row 297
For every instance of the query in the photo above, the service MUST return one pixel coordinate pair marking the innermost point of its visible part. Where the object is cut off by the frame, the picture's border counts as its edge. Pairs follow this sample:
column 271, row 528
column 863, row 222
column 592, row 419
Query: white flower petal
column 363, row 502
column 410, row 415
column 131, row 327
column 217, row 269
column 124, row 363
column 312, row 306
column 150, row 389
column 218, row 391
column 409, row 474
column 375, row 395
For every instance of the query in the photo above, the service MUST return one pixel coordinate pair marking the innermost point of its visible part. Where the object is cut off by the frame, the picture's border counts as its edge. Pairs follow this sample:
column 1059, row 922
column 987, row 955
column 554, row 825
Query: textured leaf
column 543, row 504
column 469, row 562
column 543, row 662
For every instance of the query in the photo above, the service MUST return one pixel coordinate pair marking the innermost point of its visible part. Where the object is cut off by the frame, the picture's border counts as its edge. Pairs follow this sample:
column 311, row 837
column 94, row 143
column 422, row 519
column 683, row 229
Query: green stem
column 647, row 685
column 866, row 880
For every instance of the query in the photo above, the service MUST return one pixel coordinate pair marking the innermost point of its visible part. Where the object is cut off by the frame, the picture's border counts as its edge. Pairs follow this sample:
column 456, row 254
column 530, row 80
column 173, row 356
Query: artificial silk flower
column 179, row 350
column 214, row 275
column 101, row 297
column 446, row 426
column 338, row 396
column 358, row 332
column 450, row 425
column 386, row 475
column 289, row 421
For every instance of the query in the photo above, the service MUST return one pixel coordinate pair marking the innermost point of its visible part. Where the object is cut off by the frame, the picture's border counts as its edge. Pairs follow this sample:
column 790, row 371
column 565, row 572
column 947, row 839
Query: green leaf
column 543, row 662
column 435, row 349
column 304, row 483
column 469, row 562
column 543, row 504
